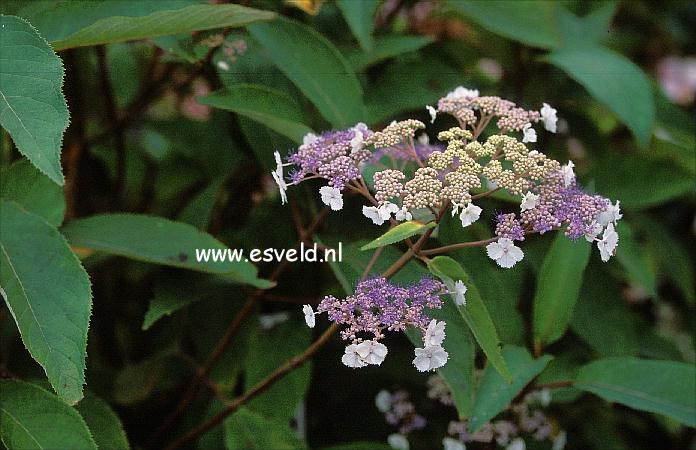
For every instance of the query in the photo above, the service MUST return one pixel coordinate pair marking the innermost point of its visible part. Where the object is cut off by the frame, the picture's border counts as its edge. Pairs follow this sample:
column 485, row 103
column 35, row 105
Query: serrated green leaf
column 156, row 240
column 48, row 293
column 360, row 16
column 399, row 233
column 316, row 67
column 23, row 183
column 474, row 312
column 558, row 286
column 31, row 418
column 494, row 393
column 386, row 47
column 161, row 23
column 32, row 105
column 662, row 387
column 613, row 80
column 104, row 424
column 249, row 430
column 269, row 107
column 531, row 22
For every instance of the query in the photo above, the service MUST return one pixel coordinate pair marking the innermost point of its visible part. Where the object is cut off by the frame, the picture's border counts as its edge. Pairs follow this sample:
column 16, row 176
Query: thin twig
column 449, row 248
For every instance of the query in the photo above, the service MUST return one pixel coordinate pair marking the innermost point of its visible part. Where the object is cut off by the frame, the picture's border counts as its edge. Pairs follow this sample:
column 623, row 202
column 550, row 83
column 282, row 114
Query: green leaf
column 662, row 387
column 474, row 312
column 585, row 31
column 531, row 22
column 161, row 23
column 31, row 418
column 32, row 105
column 316, row 67
column 360, row 16
column 199, row 209
column 106, row 427
column 399, row 233
column 385, row 47
column 615, row 81
column 48, row 294
column 274, row 109
column 23, row 183
column 248, row 430
column 558, row 286
column 155, row 240
column 495, row 394
column 632, row 256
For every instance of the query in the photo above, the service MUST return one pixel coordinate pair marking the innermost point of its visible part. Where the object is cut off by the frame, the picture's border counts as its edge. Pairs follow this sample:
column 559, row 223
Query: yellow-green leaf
column 399, row 233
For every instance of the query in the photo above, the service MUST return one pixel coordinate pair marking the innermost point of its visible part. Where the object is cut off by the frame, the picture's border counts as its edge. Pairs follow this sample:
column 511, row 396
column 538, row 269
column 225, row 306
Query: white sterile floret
column 470, row 214
column 462, row 92
column 516, row 444
column 277, row 175
column 372, row 352
column 357, row 142
column 529, row 133
column 403, row 214
column 611, row 214
column 387, row 209
column 607, row 245
column 373, row 213
column 591, row 235
column 383, row 400
column 568, row 174
column 423, row 139
column 269, row 321
column 455, row 209
column 435, row 333
column 459, row 292
column 309, row 315
column 309, row 138
column 398, row 441
column 449, row 443
column 504, row 252
column 549, row 117
column 529, row 201
column 433, row 113
column 351, row 358
column 430, row 358
column 332, row 197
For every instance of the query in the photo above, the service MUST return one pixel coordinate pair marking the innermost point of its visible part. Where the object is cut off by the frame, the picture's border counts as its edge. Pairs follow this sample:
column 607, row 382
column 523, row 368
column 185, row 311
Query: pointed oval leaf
column 23, row 183
column 31, row 418
column 361, row 19
column 558, row 286
column 662, row 387
column 106, row 427
column 48, row 293
column 386, row 47
column 316, row 67
column 474, row 312
column 32, row 105
column 269, row 107
column 399, row 233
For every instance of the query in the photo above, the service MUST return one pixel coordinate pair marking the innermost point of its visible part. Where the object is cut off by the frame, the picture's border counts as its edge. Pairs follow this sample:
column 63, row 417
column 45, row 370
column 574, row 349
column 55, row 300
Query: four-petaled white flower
column 372, row 352
column 433, row 113
column 351, row 358
column 568, row 174
column 611, row 214
column 449, row 443
column 470, row 214
column 372, row 213
column 309, row 315
column 516, row 444
column 278, row 177
column 607, row 245
column 435, row 333
column 504, row 252
column 383, row 400
column 429, row 358
column 403, row 214
column 549, row 117
column 462, row 92
column 528, row 201
column 332, row 197
column 398, row 441
column 591, row 235
column 529, row 133
column 459, row 292
column 309, row 138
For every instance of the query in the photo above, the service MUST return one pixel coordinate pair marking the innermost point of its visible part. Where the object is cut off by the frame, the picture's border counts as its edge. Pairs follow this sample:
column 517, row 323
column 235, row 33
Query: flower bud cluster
column 396, row 133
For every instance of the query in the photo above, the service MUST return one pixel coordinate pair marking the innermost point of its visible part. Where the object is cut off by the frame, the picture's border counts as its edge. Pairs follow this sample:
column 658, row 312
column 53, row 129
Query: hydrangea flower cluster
column 379, row 305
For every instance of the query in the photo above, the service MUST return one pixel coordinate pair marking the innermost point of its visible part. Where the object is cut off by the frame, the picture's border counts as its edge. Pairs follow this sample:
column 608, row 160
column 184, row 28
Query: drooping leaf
column 386, row 47
column 634, row 259
column 316, row 67
column 172, row 295
column 160, row 23
column 199, row 209
column 399, row 233
column 615, row 81
column 156, row 240
column 267, row 106
column 247, row 430
column 32, row 105
column 263, row 141
column 558, row 286
column 31, row 418
column 33, row 191
column 662, row 387
column 494, row 393
column 48, row 293
column 474, row 312
column 104, row 424
column 361, row 19
column 531, row 22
